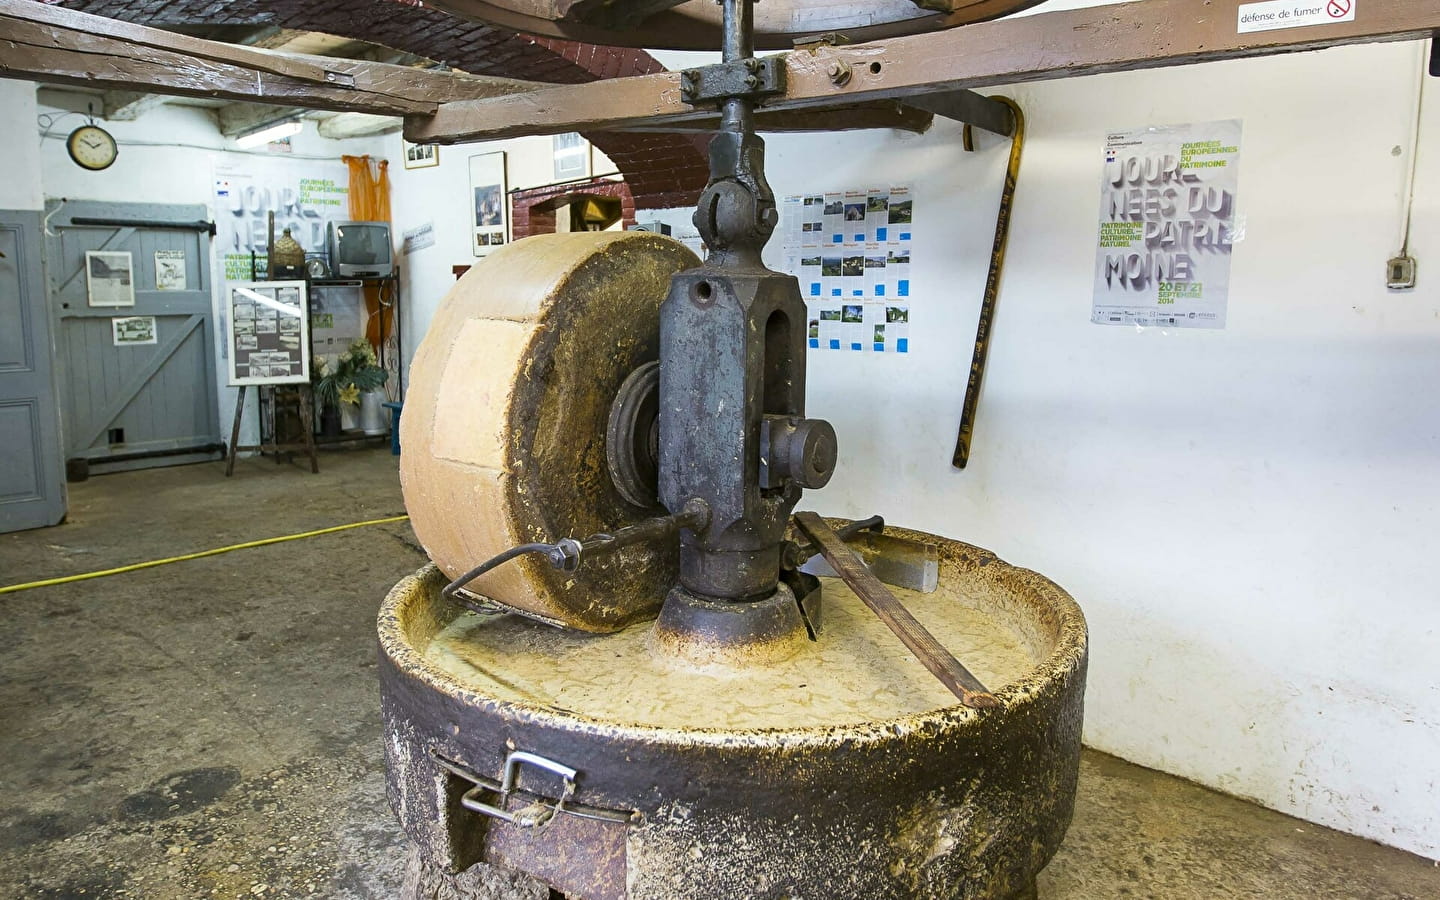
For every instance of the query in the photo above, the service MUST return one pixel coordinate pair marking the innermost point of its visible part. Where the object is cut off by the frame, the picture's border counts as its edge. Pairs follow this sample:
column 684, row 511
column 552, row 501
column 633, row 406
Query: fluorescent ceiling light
column 278, row 131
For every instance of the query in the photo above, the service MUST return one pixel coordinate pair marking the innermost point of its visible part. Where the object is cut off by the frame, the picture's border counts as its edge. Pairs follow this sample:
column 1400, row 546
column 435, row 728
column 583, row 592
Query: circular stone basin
column 846, row 770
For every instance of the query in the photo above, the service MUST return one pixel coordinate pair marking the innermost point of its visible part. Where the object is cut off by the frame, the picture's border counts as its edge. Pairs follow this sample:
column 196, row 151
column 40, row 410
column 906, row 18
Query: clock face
column 317, row 269
column 92, row 148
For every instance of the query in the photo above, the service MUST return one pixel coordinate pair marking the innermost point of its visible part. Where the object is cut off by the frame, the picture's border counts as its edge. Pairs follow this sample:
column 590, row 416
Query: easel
column 306, row 398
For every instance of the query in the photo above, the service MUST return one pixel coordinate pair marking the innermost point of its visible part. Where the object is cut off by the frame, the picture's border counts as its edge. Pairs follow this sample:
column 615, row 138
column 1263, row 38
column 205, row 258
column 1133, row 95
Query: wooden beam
column 1143, row 35
column 886, row 114
column 55, row 45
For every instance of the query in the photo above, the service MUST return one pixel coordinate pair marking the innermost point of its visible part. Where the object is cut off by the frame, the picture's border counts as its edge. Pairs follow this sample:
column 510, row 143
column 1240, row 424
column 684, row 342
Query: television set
column 360, row 250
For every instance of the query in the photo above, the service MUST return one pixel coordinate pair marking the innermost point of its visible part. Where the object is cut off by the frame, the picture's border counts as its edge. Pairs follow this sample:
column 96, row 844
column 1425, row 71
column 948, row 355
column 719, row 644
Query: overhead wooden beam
column 55, row 45
column 886, row 114
column 1142, row 35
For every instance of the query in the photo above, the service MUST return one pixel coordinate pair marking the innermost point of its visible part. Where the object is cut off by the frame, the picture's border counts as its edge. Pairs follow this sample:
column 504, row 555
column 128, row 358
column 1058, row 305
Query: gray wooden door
column 133, row 405
column 32, row 483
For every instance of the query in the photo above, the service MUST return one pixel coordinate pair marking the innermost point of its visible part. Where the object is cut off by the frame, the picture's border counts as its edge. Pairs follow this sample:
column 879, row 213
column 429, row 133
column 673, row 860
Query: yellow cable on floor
column 10, row 589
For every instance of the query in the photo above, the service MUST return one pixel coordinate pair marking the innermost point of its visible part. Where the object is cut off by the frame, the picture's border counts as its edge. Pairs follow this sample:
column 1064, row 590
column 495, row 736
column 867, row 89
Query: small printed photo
column 482, row 238
column 814, row 328
column 900, row 212
column 874, row 262
column 854, row 314
column 259, row 371
column 854, row 265
column 830, row 266
column 246, row 342
column 244, row 310
column 900, row 259
column 854, row 212
column 290, row 341
column 489, row 210
column 290, row 324
column 878, row 203
column 245, row 327
column 900, row 314
column 265, row 326
column 421, row 156
column 497, row 239
column 811, row 262
column 879, row 334
column 829, row 315
column 834, row 208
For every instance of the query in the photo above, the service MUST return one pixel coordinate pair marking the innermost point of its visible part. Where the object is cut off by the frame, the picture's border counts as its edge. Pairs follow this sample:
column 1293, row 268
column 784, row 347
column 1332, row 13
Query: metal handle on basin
column 542, row 810
column 534, row 815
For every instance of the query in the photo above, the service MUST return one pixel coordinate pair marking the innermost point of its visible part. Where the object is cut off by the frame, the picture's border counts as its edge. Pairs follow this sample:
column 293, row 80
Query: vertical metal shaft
column 737, row 112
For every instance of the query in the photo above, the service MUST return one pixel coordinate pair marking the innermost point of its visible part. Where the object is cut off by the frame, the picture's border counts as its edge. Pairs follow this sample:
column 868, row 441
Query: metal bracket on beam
column 969, row 108
column 814, row 42
column 753, row 78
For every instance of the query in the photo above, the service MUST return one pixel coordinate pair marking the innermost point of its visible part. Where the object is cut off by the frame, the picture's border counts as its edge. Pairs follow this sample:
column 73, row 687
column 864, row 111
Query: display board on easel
column 269, row 333
column 270, row 349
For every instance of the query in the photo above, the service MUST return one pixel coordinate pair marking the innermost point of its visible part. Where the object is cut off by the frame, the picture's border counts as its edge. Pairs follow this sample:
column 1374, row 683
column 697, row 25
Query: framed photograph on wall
column 421, row 156
column 572, row 156
column 490, row 196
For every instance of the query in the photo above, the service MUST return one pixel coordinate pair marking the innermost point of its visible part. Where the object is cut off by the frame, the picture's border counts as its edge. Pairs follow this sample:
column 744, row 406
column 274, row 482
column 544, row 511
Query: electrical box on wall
column 1400, row 273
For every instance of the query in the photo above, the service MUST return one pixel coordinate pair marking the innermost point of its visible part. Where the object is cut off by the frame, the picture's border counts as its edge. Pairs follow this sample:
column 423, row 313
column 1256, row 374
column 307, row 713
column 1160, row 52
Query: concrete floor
column 210, row 728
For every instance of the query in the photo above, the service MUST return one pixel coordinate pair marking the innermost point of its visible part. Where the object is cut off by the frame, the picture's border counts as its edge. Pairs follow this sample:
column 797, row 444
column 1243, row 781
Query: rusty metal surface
column 954, row 803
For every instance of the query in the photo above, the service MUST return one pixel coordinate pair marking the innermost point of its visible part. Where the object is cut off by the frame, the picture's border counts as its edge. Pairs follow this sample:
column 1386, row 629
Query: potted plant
column 341, row 387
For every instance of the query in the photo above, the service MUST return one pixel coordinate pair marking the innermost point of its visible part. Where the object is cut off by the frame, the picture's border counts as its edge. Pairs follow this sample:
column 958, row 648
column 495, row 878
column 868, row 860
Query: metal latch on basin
column 541, row 810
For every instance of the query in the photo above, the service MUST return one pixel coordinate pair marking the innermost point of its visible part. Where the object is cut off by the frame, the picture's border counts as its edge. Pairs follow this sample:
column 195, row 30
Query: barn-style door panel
column 130, row 295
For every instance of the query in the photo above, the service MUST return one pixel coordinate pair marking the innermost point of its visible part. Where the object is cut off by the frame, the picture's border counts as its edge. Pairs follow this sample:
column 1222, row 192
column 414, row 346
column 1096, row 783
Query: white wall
column 1248, row 517
column 168, row 155
column 20, row 188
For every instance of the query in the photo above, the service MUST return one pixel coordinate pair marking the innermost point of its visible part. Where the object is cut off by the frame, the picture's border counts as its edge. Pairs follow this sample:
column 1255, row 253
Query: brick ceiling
column 662, row 170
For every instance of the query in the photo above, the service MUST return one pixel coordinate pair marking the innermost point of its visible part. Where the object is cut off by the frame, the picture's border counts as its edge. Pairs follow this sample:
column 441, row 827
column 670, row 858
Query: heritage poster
column 1168, row 226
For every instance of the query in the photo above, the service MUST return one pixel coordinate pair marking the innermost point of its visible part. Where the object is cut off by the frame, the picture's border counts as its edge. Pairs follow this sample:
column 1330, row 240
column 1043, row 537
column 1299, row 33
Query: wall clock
column 92, row 147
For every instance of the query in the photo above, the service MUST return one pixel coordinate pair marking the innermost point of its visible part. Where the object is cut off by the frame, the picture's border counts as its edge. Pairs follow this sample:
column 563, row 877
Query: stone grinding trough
column 709, row 695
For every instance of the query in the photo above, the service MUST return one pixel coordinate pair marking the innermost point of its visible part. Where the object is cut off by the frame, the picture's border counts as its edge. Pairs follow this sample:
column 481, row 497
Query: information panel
column 269, row 333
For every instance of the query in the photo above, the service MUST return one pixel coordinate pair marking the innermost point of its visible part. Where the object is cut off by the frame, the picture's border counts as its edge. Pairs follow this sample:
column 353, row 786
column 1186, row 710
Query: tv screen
column 360, row 248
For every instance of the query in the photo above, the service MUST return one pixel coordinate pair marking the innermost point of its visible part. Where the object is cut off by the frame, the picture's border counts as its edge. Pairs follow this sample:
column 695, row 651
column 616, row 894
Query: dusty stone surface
column 207, row 729
column 210, row 729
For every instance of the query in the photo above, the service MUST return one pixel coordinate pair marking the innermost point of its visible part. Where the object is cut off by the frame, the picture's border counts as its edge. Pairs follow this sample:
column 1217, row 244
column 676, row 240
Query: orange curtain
column 370, row 202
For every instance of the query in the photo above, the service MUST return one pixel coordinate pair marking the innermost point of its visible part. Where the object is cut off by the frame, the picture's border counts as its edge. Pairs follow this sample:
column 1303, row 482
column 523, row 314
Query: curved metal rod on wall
column 992, row 285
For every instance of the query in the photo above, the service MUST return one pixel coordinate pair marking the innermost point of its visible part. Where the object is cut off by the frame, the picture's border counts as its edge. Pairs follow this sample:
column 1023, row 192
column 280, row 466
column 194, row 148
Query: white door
column 32, row 484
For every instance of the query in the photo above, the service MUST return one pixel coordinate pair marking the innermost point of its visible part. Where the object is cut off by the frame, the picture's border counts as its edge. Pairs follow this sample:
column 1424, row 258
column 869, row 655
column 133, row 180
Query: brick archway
column 532, row 210
column 663, row 170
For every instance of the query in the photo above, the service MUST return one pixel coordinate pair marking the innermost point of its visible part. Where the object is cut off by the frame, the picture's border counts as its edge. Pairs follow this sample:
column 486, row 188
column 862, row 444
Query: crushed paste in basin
column 857, row 672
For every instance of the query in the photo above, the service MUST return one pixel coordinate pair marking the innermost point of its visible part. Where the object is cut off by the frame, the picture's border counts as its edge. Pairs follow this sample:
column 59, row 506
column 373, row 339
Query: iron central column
column 733, row 431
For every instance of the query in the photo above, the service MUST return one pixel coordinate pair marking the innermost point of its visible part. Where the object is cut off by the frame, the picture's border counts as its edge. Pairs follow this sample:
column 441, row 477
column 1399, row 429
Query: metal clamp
column 749, row 77
column 534, row 815
column 541, row 810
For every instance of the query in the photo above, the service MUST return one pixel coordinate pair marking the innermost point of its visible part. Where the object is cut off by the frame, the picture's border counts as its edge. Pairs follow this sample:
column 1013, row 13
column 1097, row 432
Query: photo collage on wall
column 851, row 252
